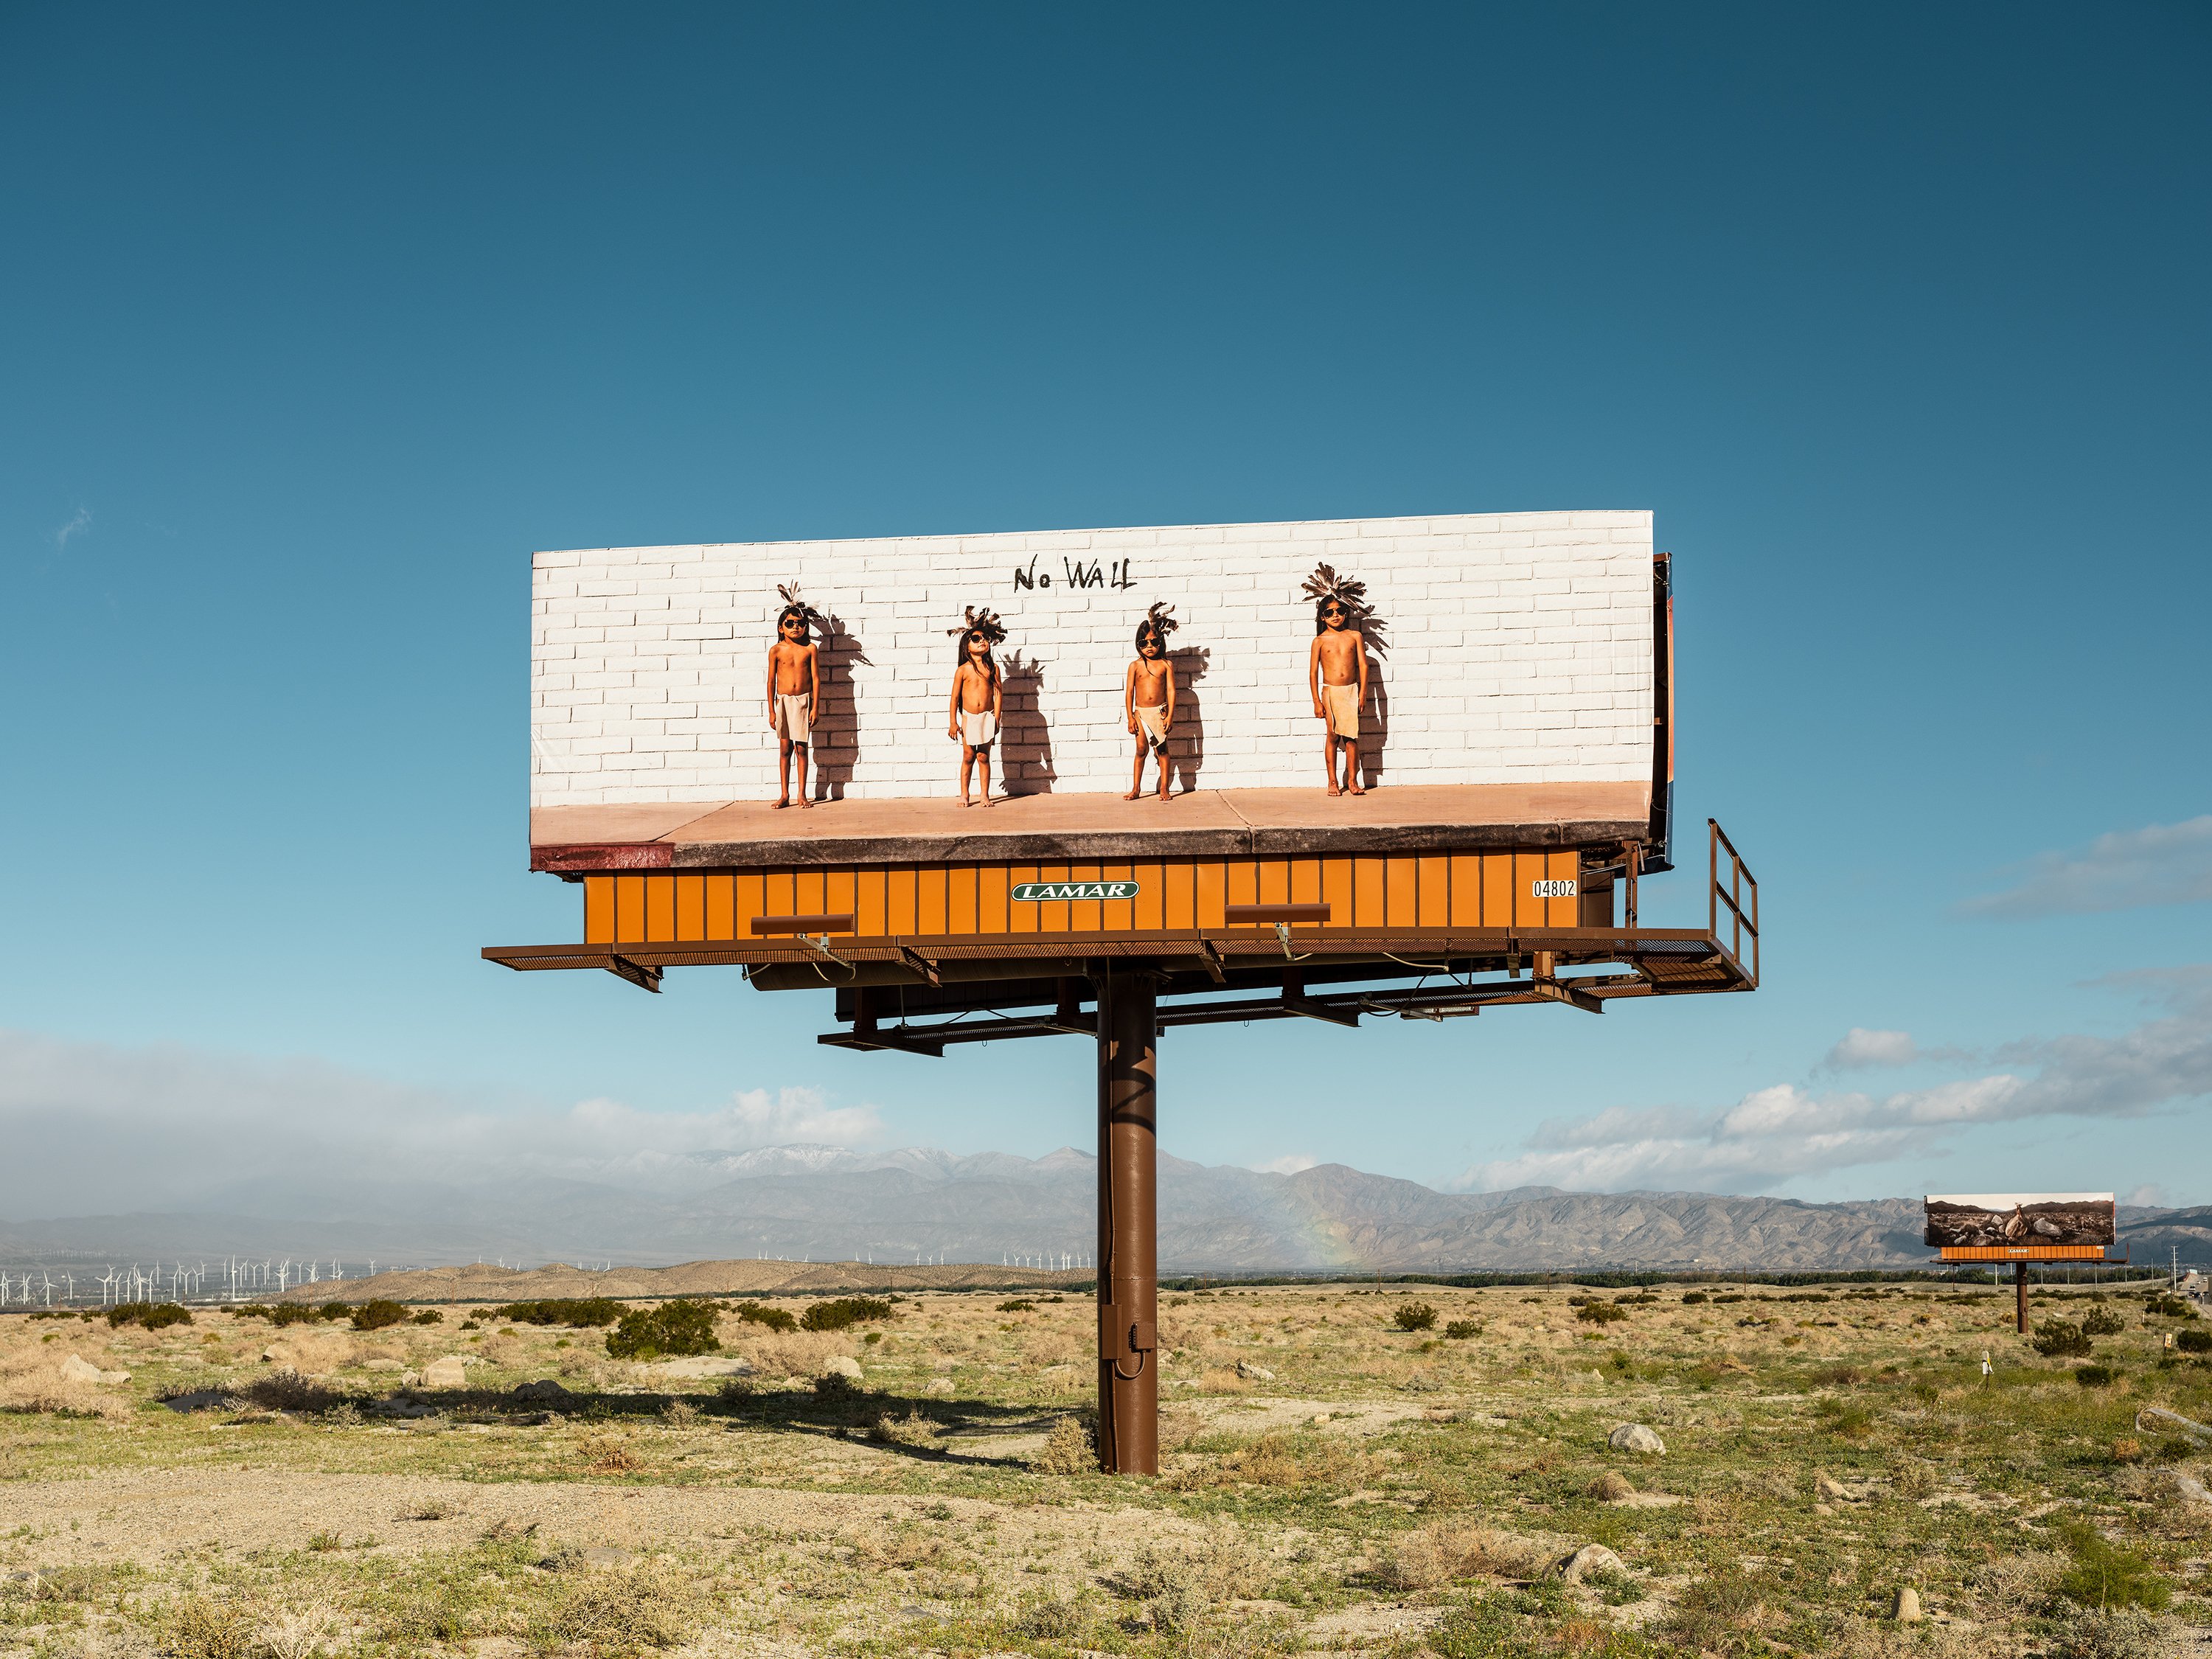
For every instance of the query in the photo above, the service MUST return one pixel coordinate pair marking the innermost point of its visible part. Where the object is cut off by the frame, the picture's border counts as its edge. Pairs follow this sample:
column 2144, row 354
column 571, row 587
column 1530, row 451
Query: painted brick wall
column 1519, row 650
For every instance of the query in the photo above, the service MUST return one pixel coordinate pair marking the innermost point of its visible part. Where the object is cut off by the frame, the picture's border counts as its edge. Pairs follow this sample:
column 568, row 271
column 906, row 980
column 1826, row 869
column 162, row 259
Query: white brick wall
column 1519, row 651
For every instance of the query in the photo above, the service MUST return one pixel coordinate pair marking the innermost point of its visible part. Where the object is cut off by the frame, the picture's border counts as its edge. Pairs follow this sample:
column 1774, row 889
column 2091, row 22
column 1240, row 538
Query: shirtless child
column 1148, row 698
column 795, row 690
column 1336, row 672
column 973, row 716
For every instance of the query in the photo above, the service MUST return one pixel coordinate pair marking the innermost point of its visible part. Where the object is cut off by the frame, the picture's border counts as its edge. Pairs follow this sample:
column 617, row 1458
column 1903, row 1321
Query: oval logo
column 1046, row 891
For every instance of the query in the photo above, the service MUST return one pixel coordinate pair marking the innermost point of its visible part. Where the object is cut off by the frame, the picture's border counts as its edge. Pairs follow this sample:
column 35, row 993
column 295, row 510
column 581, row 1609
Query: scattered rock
column 449, row 1372
column 1254, row 1373
column 2190, row 1489
column 1320, row 1418
column 1906, row 1609
column 840, row 1365
column 1590, row 1557
column 201, row 1399
column 939, row 1385
column 1611, row 1488
column 1835, row 1492
column 269, row 1356
column 83, row 1370
column 544, row 1388
column 1635, row 1437
column 710, row 1364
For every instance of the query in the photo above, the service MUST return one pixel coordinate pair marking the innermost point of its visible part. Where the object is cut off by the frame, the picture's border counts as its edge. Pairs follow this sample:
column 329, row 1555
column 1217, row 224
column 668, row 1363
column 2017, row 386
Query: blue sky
column 316, row 322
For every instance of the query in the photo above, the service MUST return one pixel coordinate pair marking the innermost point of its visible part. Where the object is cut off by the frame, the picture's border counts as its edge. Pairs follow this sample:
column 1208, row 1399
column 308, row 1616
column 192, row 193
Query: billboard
column 1989, row 1219
column 1503, row 648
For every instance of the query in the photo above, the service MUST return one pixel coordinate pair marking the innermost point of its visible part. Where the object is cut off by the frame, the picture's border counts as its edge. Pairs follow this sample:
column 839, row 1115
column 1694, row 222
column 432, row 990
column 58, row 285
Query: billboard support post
column 1128, row 1230
column 2019, row 1296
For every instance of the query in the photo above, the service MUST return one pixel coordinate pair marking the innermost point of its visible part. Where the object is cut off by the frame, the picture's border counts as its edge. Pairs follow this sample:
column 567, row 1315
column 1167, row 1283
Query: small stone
column 1320, row 1418
column 939, row 1385
column 1834, row 1492
column 268, row 1356
column 544, row 1388
column 1590, row 1557
column 449, row 1372
column 2189, row 1488
column 840, row 1365
column 1906, row 1609
column 1635, row 1437
column 74, row 1370
column 1254, row 1373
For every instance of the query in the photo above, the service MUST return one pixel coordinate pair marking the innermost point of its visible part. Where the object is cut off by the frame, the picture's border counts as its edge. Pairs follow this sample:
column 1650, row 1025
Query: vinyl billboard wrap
column 1989, row 1220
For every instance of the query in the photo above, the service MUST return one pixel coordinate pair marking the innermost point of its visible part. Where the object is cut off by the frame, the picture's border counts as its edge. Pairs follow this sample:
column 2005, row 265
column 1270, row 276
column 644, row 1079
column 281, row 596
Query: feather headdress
column 984, row 622
column 1160, row 619
column 788, row 591
column 1325, row 585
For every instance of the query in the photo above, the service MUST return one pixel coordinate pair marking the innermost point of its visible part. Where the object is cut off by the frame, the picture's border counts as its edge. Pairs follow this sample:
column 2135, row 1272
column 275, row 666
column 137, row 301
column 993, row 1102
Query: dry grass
column 34, row 1382
column 1452, row 1549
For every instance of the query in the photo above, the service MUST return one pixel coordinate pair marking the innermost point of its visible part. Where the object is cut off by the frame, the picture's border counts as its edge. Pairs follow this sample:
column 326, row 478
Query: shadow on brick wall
column 837, row 734
column 1187, row 743
column 1025, row 764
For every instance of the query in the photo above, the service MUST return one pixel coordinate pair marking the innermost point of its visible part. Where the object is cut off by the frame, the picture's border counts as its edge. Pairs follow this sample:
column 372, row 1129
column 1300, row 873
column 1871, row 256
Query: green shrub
column 377, row 1314
column 777, row 1319
column 294, row 1313
column 1601, row 1313
column 2058, row 1339
column 153, row 1315
column 2193, row 1341
column 2102, row 1321
column 2104, row 1576
column 1415, row 1317
column 1691, row 1298
column 577, row 1313
column 672, row 1329
column 429, row 1316
column 1018, row 1304
column 2173, row 1307
column 1848, row 1418
column 335, row 1310
column 2095, row 1376
column 1460, row 1329
column 1725, row 1297
column 845, row 1312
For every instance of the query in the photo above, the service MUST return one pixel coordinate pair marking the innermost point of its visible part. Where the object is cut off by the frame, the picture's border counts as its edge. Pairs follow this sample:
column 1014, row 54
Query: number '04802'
column 1552, row 888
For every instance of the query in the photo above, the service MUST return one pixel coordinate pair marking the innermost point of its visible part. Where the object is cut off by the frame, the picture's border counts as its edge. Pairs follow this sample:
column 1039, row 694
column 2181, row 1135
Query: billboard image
column 1990, row 1220
column 1510, row 650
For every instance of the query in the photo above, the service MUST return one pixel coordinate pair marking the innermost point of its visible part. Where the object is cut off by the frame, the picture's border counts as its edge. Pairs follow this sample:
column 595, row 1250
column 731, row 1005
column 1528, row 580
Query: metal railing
column 1740, row 921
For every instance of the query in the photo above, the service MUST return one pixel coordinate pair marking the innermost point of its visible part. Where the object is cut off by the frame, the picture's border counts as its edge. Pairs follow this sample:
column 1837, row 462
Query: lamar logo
column 1045, row 891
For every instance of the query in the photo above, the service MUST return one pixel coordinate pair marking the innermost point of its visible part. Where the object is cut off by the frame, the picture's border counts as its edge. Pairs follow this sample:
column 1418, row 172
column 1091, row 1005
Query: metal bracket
column 1211, row 959
column 822, row 947
column 1283, row 934
column 1554, row 991
column 644, row 976
column 921, row 964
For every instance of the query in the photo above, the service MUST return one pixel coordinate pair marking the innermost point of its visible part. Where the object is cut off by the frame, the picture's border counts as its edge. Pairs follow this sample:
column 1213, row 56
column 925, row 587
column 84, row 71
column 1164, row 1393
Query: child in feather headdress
column 794, row 690
column 1148, row 697
column 1336, row 670
column 973, row 717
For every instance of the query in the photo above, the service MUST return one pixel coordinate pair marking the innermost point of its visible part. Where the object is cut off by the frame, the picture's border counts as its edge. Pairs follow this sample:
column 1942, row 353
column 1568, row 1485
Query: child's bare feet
column 1356, row 790
column 785, row 802
column 1133, row 794
column 986, row 801
column 964, row 801
column 1333, row 789
column 807, row 801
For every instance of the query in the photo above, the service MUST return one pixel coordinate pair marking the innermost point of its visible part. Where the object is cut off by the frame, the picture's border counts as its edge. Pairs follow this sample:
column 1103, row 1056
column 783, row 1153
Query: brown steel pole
column 2019, row 1296
column 1128, row 1225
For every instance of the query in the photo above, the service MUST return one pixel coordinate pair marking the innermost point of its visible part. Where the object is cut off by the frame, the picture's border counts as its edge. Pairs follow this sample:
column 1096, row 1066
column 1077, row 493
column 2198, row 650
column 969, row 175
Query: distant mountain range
column 823, row 1203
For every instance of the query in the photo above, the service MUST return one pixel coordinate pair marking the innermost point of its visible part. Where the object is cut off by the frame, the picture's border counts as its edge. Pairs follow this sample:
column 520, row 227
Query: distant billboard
column 1989, row 1219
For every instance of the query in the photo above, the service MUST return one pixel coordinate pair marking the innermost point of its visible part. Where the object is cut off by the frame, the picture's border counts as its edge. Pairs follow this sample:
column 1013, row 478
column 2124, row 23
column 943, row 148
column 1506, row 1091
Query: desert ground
column 1331, row 1481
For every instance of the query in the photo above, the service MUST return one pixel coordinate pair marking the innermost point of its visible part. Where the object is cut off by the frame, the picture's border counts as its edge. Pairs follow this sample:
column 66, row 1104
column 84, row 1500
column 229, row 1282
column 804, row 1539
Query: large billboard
column 1503, row 648
column 1986, row 1220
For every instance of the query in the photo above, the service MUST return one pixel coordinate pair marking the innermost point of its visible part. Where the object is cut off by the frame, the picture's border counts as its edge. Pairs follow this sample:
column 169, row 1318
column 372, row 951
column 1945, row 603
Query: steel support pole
column 1128, row 1225
column 2019, row 1296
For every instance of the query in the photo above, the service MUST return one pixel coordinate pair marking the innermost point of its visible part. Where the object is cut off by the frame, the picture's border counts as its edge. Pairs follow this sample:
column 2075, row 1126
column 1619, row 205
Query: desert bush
column 1845, row 1417
column 1018, row 1304
column 777, row 1319
column 1691, row 1298
column 1461, row 1330
column 1071, row 1448
column 202, row 1627
column 1609, row 1487
column 671, row 1329
column 1721, row 1298
column 2104, row 1576
column 2171, row 1307
column 2013, row 1585
column 2095, row 1376
column 428, row 1316
column 287, row 1390
column 836, row 1388
column 378, row 1314
column 1446, row 1550
column 1722, row 1615
column 1052, row 1618
column 2193, row 1341
column 2102, row 1321
column 577, row 1313
column 294, row 1313
column 619, row 1613
column 915, row 1431
column 335, row 1311
column 153, row 1315
column 1415, row 1317
column 844, row 1313
column 439, row 1615
column 2116, row 1633
column 1601, row 1313
column 2056, row 1339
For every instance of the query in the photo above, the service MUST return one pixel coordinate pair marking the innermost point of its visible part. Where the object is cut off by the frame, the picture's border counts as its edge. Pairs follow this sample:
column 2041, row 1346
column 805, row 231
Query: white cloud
column 88, row 1129
column 75, row 526
column 1289, row 1163
column 1862, row 1047
column 1774, row 1133
column 2163, row 863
